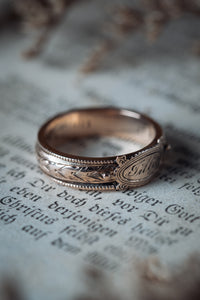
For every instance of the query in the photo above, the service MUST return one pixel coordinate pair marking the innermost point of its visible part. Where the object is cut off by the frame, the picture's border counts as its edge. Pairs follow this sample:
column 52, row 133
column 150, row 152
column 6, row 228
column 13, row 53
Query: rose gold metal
column 101, row 173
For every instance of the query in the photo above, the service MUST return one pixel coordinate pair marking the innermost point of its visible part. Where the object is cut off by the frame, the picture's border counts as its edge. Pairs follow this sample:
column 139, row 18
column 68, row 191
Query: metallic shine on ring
column 118, row 172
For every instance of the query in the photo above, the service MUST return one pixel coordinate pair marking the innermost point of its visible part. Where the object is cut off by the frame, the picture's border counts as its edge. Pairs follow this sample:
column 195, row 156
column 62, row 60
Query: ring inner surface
column 99, row 133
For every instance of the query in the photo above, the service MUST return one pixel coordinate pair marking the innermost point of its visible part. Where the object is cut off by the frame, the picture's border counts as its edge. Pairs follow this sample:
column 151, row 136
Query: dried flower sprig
column 150, row 16
column 148, row 280
column 10, row 289
column 43, row 16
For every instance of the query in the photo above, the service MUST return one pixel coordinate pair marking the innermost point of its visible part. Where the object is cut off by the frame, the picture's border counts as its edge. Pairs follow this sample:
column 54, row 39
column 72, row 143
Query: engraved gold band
column 101, row 173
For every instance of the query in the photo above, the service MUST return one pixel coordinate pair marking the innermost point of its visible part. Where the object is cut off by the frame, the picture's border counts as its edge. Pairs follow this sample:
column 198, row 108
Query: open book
column 46, row 252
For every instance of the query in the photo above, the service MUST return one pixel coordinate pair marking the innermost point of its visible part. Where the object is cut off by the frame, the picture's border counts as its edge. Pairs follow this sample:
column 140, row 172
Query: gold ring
column 116, row 172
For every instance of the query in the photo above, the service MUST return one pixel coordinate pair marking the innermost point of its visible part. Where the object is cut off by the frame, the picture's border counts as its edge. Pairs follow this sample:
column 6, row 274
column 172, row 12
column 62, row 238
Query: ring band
column 117, row 172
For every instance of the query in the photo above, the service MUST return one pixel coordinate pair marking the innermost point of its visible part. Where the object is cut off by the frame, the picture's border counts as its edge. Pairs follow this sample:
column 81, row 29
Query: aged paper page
column 49, row 233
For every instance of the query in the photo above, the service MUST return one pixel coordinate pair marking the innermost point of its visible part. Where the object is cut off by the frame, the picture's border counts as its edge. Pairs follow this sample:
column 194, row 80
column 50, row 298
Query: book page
column 50, row 233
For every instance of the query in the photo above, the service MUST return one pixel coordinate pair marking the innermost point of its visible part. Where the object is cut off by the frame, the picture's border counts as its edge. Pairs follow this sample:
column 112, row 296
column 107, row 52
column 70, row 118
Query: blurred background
column 61, row 54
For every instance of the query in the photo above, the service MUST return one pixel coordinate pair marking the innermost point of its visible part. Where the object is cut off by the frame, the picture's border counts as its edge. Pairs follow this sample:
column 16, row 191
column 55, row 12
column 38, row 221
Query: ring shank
column 98, row 172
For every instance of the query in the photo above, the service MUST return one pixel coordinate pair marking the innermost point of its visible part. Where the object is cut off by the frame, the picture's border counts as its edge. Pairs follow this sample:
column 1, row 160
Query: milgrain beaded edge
column 93, row 187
